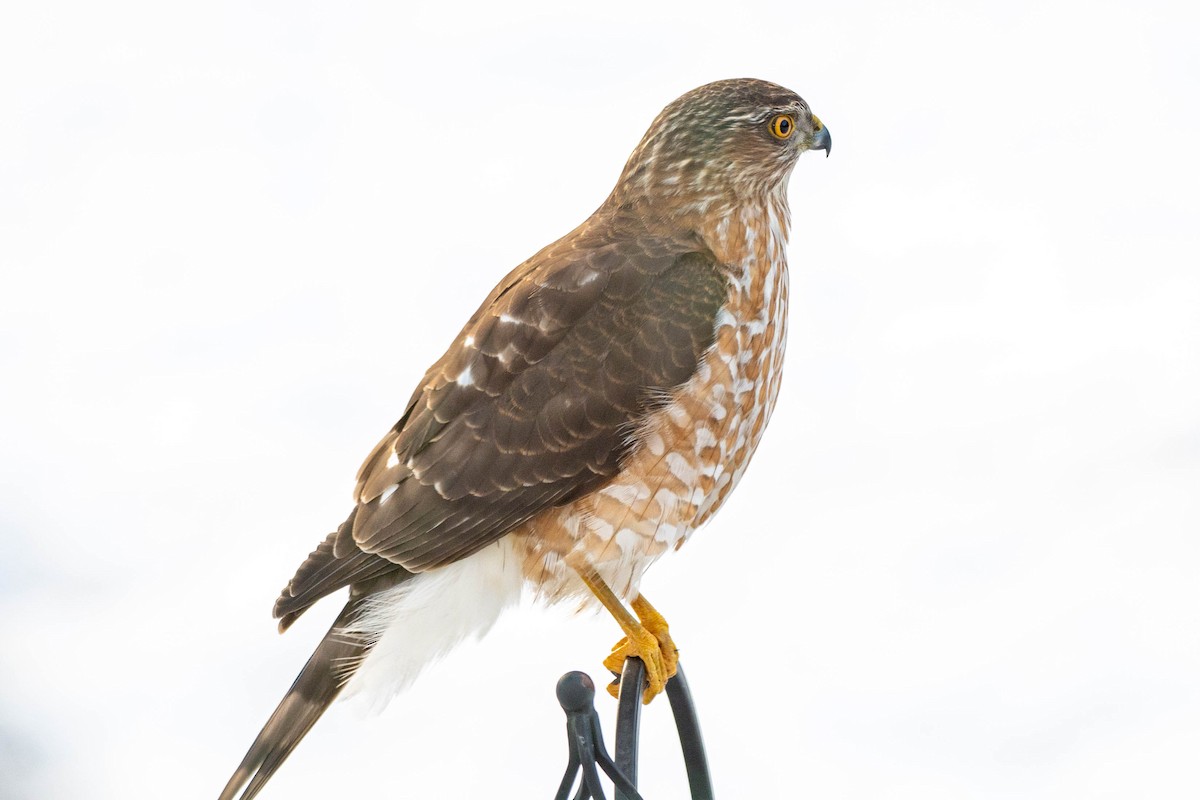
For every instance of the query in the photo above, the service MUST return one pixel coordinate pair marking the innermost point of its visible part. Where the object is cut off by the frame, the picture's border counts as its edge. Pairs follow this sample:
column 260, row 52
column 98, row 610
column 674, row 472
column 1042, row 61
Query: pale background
column 963, row 565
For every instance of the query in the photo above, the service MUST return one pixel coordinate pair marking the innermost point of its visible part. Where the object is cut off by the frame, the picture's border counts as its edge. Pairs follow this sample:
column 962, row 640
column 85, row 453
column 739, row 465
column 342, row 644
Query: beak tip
column 823, row 141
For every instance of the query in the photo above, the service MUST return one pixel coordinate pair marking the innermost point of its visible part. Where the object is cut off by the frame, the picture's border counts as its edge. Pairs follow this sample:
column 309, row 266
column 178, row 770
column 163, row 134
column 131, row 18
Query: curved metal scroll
column 576, row 695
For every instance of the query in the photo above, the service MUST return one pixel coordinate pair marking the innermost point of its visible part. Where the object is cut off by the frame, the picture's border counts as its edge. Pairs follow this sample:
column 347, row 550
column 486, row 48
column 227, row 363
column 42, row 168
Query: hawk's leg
column 646, row 637
column 653, row 622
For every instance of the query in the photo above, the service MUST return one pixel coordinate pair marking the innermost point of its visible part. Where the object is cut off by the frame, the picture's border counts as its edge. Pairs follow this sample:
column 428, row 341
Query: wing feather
column 535, row 400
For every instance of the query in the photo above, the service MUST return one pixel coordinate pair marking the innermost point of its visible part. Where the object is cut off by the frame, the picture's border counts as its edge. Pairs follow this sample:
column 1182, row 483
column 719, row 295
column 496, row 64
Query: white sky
column 963, row 565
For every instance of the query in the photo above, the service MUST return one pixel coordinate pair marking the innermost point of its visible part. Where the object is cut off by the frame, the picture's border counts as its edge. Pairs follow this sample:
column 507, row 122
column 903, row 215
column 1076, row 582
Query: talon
column 655, row 624
column 646, row 637
column 644, row 645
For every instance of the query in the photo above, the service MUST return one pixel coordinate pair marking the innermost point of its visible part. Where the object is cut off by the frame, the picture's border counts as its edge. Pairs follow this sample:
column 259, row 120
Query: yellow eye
column 782, row 126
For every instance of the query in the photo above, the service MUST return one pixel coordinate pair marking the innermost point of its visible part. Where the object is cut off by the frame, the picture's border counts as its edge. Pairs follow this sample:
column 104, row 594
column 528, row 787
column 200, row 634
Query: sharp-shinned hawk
column 595, row 411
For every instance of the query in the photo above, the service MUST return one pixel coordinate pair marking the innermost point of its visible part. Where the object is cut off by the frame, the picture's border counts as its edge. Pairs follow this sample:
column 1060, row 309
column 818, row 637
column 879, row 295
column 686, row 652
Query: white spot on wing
column 626, row 493
column 465, row 378
column 654, row 443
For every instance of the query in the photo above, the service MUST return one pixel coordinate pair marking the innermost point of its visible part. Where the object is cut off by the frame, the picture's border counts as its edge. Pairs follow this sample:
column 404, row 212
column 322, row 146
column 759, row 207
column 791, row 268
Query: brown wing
column 322, row 572
column 536, row 401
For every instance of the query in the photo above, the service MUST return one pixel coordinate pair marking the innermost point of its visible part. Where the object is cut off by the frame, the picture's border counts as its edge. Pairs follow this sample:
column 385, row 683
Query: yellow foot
column 651, row 642
column 655, row 623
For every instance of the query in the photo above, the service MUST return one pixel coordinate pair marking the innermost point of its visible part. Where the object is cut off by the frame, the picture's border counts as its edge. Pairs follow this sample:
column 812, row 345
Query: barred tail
column 403, row 622
column 334, row 660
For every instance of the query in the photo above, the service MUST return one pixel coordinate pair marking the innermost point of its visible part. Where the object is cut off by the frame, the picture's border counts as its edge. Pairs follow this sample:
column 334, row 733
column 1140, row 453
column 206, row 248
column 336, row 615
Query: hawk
column 597, row 408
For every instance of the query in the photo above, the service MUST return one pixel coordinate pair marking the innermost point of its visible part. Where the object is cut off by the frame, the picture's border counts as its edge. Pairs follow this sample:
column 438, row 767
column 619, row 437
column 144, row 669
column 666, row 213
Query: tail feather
column 330, row 666
column 404, row 622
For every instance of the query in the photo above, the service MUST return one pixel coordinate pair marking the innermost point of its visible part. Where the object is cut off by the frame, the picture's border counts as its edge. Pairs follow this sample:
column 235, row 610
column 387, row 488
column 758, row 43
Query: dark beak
column 821, row 139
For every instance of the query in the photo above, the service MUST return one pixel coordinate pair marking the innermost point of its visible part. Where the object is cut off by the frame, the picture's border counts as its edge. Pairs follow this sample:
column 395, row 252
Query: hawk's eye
column 782, row 126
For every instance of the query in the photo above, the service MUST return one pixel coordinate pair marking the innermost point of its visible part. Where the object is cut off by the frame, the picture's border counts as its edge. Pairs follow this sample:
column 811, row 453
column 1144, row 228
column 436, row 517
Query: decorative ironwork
column 577, row 694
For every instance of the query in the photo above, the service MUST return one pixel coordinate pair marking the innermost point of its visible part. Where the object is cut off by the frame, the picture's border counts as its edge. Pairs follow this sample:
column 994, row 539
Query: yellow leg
column 654, row 622
column 647, row 639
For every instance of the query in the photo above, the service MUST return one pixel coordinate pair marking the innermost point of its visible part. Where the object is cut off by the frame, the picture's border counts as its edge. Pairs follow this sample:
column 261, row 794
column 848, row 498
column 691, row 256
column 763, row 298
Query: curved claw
column 656, row 650
column 643, row 645
column 646, row 636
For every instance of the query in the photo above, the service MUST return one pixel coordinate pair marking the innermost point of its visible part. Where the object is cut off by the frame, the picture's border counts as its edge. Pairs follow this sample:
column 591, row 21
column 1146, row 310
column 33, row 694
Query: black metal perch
column 576, row 695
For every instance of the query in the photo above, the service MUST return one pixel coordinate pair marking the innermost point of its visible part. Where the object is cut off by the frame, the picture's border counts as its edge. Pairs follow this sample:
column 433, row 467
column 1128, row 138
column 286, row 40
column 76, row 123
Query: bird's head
column 732, row 139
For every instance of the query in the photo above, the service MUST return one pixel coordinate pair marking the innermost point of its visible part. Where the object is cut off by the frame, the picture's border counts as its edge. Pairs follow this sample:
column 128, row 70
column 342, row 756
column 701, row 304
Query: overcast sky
column 963, row 564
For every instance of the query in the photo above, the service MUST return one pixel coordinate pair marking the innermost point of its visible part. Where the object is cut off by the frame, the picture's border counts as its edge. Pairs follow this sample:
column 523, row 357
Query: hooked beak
column 820, row 139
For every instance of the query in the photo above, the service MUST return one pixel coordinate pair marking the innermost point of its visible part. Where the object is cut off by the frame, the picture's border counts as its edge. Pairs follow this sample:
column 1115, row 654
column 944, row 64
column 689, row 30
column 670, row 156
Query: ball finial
column 576, row 692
